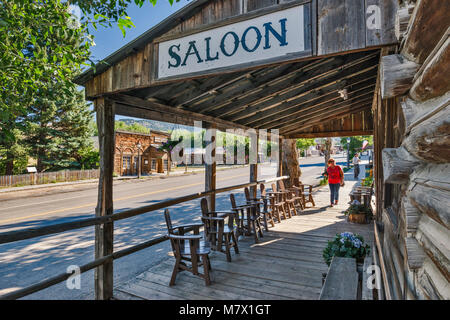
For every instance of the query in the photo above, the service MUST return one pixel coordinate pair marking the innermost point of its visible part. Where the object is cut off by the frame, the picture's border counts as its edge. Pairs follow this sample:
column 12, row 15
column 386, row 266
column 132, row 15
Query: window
column 153, row 164
column 166, row 162
column 126, row 162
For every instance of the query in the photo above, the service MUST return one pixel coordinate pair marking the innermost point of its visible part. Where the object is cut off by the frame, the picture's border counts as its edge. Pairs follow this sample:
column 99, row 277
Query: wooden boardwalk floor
column 286, row 264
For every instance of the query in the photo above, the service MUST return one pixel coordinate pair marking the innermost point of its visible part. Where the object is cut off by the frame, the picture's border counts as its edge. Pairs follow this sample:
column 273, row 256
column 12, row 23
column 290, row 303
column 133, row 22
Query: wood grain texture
column 341, row 25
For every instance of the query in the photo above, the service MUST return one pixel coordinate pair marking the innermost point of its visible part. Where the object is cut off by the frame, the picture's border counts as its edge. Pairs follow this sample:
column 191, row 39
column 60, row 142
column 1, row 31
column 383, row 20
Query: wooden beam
column 402, row 17
column 321, row 119
column 286, row 118
column 210, row 164
column 305, row 101
column 160, row 112
column 327, row 111
column 396, row 75
column 428, row 24
column 254, row 167
column 397, row 165
column 271, row 95
column 434, row 79
column 104, row 233
column 330, row 134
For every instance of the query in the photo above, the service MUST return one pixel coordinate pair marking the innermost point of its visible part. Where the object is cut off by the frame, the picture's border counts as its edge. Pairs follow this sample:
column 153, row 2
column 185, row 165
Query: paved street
column 26, row 262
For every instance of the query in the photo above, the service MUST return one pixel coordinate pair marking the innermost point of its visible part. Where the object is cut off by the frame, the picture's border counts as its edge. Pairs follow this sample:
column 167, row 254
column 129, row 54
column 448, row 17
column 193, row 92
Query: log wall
column 413, row 168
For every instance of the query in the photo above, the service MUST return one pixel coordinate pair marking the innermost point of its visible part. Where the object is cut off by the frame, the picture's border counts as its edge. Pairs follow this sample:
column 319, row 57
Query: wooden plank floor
column 287, row 264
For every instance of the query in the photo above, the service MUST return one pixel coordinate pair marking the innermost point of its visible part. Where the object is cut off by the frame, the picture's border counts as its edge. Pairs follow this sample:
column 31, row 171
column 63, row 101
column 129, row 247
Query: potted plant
column 358, row 212
column 347, row 245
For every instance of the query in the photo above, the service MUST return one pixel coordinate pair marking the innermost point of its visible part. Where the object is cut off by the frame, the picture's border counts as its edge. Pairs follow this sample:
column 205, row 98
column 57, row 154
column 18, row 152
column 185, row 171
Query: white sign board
column 263, row 38
column 31, row 169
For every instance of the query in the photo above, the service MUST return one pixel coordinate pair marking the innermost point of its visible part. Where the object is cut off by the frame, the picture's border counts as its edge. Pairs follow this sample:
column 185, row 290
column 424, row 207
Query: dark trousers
column 356, row 171
column 334, row 191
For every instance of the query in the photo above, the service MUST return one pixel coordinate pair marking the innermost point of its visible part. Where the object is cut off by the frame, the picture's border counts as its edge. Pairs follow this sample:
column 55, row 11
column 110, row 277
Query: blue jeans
column 334, row 189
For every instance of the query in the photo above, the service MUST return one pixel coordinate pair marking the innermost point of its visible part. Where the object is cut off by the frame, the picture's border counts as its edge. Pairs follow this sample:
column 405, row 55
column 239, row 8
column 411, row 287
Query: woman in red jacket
column 335, row 180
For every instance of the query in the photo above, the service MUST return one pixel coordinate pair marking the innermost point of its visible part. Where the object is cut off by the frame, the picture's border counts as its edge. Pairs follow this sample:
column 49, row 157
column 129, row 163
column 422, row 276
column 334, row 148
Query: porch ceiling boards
column 292, row 97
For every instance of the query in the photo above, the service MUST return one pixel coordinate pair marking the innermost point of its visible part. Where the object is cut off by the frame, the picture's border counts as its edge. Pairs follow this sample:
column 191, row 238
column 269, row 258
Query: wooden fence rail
column 29, row 233
column 48, row 177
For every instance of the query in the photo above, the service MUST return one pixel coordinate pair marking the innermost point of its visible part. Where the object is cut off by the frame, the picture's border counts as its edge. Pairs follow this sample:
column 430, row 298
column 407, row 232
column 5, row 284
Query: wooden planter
column 357, row 218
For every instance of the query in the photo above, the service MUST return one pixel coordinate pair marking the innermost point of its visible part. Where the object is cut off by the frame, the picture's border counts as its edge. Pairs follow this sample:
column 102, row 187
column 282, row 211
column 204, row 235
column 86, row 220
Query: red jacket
column 334, row 174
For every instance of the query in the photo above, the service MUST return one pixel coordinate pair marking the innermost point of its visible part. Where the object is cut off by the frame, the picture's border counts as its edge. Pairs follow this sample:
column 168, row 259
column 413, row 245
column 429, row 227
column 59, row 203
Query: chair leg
column 265, row 221
column 260, row 229
column 255, row 233
column 206, row 269
column 227, row 247
column 174, row 272
column 235, row 244
column 312, row 200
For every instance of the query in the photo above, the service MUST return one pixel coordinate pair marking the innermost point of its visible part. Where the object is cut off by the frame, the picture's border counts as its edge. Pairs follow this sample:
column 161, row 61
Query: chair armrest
column 213, row 218
column 188, row 237
column 199, row 224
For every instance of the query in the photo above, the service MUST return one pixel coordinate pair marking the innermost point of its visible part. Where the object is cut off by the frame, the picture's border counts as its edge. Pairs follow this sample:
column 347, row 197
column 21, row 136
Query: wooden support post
column 280, row 157
column 210, row 163
column 254, row 148
column 104, row 233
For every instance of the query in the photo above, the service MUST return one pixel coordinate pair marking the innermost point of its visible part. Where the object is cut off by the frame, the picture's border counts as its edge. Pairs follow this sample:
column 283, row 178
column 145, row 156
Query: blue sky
column 109, row 40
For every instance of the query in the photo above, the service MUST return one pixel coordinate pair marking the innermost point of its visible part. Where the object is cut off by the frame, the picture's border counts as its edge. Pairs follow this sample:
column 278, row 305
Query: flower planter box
column 357, row 218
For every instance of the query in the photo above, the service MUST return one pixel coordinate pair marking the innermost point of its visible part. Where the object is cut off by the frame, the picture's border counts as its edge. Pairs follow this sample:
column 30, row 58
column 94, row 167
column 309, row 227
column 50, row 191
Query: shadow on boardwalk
column 286, row 264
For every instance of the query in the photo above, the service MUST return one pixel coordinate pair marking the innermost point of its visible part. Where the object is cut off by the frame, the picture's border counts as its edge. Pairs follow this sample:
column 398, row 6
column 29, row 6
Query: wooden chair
column 188, row 249
column 249, row 214
column 258, row 201
column 276, row 207
column 218, row 231
column 294, row 196
column 306, row 192
column 268, row 214
column 282, row 198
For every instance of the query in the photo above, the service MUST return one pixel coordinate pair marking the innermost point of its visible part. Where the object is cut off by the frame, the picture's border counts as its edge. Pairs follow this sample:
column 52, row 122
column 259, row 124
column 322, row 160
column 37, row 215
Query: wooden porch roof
column 301, row 99
column 295, row 93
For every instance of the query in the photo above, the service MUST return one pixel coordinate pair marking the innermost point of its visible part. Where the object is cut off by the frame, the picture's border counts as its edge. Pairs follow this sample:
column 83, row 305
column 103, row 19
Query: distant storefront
column 130, row 146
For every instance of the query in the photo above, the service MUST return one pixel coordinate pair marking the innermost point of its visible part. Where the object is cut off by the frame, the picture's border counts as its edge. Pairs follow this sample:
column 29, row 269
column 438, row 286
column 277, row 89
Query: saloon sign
column 254, row 41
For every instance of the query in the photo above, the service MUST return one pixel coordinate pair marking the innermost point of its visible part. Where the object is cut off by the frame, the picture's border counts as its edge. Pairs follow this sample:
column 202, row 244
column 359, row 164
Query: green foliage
column 367, row 182
column 355, row 143
column 303, row 143
column 346, row 245
column 357, row 209
column 133, row 127
column 323, row 181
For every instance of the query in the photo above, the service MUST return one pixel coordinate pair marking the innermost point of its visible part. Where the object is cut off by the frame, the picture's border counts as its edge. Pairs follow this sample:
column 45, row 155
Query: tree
column 168, row 147
column 58, row 128
column 355, row 144
column 41, row 49
column 303, row 144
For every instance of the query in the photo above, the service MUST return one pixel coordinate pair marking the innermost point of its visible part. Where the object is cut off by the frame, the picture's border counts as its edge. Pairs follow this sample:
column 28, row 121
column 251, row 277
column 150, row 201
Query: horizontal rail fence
column 29, row 233
column 48, row 177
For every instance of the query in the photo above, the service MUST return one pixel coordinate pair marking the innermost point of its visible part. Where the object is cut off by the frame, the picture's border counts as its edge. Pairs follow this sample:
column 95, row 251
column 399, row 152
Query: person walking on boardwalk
column 335, row 180
column 356, row 162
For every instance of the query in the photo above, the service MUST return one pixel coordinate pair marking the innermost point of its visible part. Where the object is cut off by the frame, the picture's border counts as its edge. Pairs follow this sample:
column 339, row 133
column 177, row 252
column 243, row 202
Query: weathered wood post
column 210, row 163
column 280, row 157
column 104, row 233
column 253, row 159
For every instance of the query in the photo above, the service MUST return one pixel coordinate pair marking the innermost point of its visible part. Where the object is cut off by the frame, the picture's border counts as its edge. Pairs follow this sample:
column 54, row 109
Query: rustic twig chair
column 306, row 190
column 219, row 229
column 188, row 249
column 293, row 197
column 249, row 214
